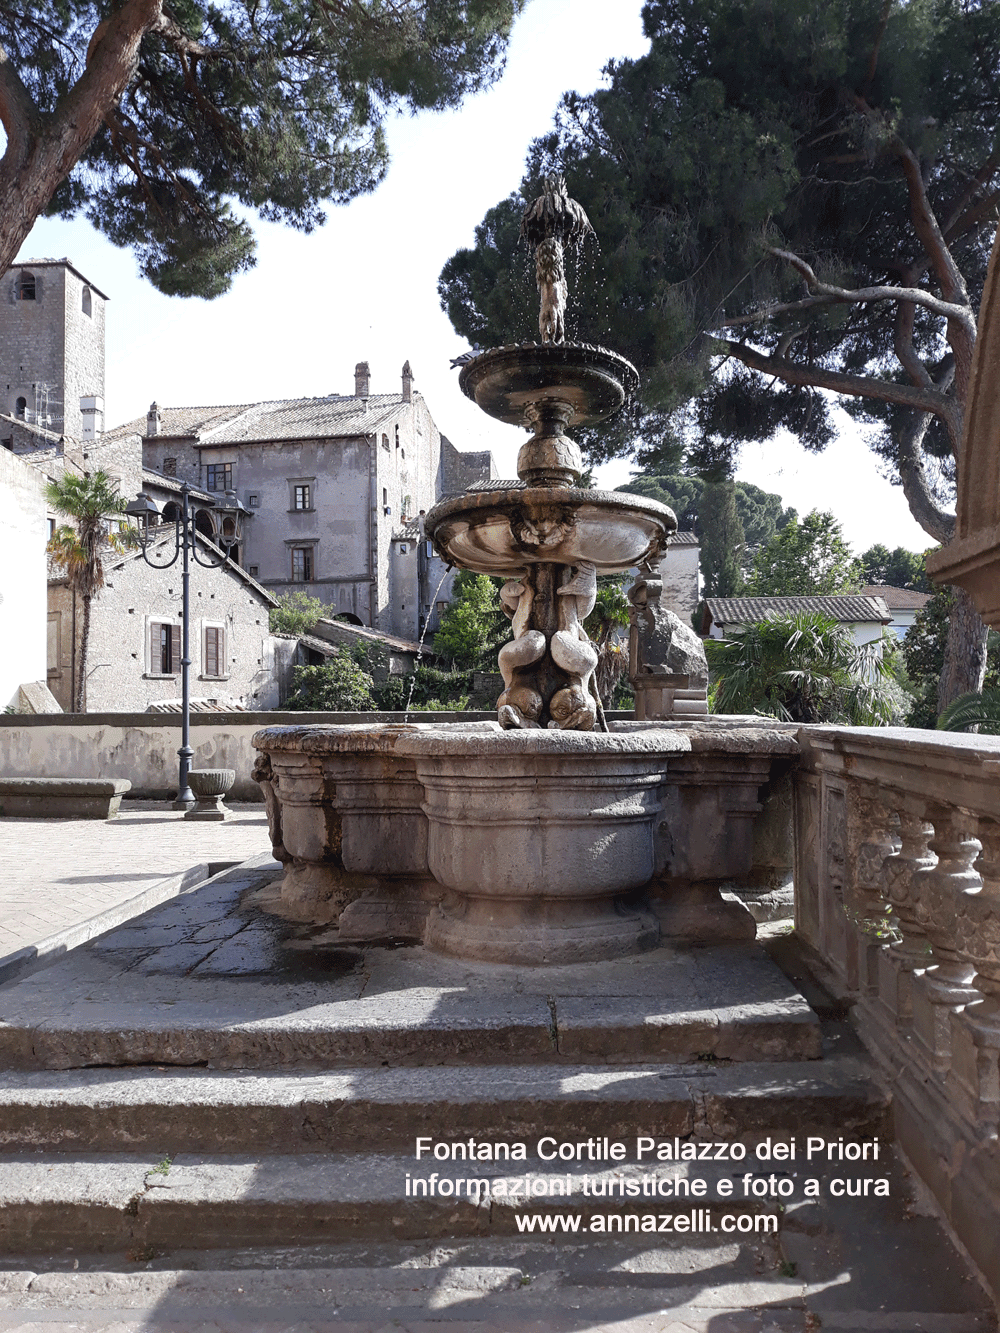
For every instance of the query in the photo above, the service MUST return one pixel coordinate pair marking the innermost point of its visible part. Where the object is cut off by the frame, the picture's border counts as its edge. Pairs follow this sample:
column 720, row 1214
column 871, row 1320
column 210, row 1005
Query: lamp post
column 227, row 524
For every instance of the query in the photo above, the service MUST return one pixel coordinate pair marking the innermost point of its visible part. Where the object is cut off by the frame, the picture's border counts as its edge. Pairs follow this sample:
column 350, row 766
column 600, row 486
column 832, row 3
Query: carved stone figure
column 550, row 277
column 659, row 641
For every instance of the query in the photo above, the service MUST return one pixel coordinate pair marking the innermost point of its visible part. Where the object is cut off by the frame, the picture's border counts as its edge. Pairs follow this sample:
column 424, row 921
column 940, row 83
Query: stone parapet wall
column 143, row 746
column 897, row 883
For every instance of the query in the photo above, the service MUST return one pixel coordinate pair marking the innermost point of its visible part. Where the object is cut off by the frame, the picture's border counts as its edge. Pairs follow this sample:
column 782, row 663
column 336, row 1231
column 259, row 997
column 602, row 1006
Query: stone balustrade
column 897, row 877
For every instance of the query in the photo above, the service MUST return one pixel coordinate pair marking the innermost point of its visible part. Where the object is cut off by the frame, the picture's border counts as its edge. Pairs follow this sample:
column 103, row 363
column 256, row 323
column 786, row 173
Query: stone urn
column 209, row 786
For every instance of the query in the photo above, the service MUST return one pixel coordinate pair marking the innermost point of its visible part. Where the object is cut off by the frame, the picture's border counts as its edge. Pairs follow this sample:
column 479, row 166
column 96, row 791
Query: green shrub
column 296, row 613
column 340, row 685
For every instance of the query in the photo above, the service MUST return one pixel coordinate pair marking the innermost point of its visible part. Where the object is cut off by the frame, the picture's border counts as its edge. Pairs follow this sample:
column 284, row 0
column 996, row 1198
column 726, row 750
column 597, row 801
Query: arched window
column 26, row 286
column 21, row 407
column 87, row 303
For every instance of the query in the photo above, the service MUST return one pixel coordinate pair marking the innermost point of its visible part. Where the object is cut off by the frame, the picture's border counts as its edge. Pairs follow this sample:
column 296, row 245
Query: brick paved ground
column 57, row 873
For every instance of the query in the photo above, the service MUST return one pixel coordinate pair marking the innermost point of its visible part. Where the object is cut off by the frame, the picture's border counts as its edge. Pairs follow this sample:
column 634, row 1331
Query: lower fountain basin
column 525, row 847
column 502, row 531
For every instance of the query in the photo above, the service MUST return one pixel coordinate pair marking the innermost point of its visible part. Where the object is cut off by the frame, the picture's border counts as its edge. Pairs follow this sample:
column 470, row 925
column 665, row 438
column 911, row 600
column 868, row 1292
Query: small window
column 402, row 453
column 302, row 564
column 397, row 437
column 440, row 607
column 253, row 501
column 302, row 498
column 214, row 658
column 26, row 287
column 219, row 477
column 21, row 408
column 164, row 649
column 385, row 496
column 385, row 443
column 87, row 303
column 170, row 467
column 52, row 528
column 254, row 571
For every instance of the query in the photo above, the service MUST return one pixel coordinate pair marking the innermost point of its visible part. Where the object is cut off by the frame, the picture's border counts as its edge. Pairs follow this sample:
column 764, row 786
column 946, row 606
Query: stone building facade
column 134, row 650
column 51, row 353
column 23, row 534
column 328, row 484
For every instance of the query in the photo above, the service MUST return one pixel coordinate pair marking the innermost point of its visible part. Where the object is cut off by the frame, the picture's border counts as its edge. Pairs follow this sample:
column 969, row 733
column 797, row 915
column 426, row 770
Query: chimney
column 407, row 382
column 92, row 413
column 153, row 420
column 362, row 379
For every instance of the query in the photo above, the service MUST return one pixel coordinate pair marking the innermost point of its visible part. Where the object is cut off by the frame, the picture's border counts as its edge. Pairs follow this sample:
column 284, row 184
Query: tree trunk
column 81, row 680
column 965, row 651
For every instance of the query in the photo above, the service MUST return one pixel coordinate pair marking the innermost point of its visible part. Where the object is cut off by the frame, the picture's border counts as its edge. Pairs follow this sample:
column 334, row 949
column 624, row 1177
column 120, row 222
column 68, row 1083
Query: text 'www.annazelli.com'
column 699, row 1219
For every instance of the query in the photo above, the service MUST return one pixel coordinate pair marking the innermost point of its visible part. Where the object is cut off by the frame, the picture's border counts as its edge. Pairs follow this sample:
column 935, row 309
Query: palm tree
column 92, row 502
column 802, row 668
column 973, row 710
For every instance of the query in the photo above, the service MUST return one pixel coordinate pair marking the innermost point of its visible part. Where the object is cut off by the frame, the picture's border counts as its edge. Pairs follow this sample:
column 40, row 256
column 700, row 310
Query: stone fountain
column 546, row 837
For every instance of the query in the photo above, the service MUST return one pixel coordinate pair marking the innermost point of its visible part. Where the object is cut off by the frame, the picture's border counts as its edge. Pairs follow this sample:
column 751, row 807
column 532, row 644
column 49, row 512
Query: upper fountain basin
column 505, row 529
column 510, row 383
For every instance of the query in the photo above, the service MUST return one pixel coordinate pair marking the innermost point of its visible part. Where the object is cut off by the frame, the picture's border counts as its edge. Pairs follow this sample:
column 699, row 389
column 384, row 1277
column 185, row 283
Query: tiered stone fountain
column 544, row 837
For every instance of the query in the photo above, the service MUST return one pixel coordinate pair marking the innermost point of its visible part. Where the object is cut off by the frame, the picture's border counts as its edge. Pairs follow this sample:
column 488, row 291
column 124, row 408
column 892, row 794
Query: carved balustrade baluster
column 911, row 949
column 873, row 823
column 976, row 1034
column 946, row 986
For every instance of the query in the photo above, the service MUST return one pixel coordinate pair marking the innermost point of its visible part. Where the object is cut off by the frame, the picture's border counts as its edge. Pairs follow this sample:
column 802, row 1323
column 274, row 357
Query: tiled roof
column 409, row 532
column 376, row 636
column 287, row 419
column 848, row 608
column 683, row 539
column 178, row 420
column 150, row 477
column 897, row 599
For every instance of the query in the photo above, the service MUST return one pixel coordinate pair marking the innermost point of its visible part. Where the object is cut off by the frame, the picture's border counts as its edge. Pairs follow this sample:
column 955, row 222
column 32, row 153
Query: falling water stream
column 420, row 644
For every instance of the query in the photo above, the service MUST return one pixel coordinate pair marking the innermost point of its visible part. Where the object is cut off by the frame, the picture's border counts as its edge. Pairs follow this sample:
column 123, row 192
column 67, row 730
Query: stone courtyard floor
column 59, row 874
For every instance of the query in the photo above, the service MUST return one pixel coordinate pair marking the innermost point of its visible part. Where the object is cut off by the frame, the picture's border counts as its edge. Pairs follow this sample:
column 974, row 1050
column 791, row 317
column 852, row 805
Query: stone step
column 896, row 1272
column 209, row 979
column 363, row 1110
column 122, row 1201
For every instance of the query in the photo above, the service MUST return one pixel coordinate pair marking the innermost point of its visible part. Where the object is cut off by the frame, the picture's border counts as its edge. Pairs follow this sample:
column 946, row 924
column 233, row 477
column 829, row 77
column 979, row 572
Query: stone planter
column 210, row 785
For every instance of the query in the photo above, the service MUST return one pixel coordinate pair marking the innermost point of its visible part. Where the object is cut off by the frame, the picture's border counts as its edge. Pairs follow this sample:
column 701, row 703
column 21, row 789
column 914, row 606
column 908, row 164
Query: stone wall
column 120, row 673
column 51, row 350
column 23, row 533
column 143, row 747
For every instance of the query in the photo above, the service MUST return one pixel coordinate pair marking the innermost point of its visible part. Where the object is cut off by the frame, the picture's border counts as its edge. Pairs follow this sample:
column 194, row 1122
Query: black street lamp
column 226, row 522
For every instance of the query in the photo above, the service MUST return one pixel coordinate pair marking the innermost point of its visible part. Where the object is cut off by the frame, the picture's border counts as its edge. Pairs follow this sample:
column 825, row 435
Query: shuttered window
column 164, row 649
column 214, row 656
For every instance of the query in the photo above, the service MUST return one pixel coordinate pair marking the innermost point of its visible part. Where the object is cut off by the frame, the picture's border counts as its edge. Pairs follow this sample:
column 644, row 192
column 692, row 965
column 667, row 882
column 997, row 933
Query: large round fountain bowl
column 504, row 530
column 590, row 382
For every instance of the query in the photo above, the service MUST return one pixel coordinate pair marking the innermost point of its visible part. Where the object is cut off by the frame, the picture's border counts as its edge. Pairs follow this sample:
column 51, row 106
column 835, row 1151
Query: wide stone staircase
column 211, row 1121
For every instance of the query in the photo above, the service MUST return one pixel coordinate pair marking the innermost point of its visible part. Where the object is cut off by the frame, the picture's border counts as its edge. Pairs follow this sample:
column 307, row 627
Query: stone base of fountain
column 526, row 847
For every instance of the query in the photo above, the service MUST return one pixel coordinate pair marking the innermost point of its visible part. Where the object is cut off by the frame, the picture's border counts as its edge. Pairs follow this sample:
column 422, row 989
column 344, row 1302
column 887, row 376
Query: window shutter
column 154, row 647
column 175, row 648
column 212, row 652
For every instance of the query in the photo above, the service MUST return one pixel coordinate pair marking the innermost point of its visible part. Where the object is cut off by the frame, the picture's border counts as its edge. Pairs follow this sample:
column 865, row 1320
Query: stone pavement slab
column 207, row 978
column 58, row 874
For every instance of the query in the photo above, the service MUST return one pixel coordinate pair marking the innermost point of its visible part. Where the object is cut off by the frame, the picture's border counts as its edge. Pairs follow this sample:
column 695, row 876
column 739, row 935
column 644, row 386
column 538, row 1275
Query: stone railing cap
column 64, row 786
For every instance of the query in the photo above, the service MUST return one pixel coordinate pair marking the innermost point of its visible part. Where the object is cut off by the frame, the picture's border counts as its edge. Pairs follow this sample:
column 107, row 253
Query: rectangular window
column 215, row 651
column 219, row 477
column 253, row 571
column 253, row 501
column 302, row 564
column 164, row 649
column 302, row 498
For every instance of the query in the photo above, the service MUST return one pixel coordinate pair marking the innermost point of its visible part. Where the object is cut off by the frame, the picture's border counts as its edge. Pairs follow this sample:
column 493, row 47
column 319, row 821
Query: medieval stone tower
column 52, row 349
